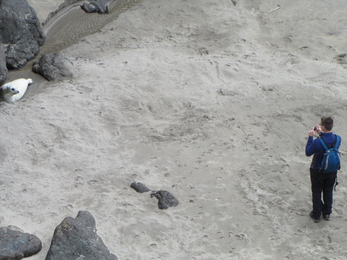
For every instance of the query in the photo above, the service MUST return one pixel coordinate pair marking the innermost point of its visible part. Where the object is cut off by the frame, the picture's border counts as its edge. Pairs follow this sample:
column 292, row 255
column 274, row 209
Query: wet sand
column 65, row 28
column 209, row 100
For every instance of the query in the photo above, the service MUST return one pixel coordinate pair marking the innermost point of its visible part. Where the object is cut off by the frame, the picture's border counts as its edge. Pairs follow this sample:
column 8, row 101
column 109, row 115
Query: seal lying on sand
column 14, row 90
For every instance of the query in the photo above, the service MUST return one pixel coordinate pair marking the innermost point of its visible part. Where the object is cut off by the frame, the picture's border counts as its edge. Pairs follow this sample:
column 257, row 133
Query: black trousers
column 322, row 183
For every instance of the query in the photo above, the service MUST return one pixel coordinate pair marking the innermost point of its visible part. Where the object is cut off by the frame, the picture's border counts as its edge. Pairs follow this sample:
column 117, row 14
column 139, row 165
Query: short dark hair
column 327, row 122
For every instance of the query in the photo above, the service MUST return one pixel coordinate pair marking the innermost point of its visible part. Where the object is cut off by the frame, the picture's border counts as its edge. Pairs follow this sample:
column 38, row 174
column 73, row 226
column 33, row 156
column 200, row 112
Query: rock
column 3, row 68
column 165, row 199
column 341, row 58
column 77, row 239
column 53, row 66
column 20, row 32
column 97, row 6
column 15, row 244
column 139, row 187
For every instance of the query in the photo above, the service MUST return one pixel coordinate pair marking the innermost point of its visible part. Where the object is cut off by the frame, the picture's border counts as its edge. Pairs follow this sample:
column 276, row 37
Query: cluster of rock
column 96, row 6
column 21, row 36
column 74, row 238
column 165, row 198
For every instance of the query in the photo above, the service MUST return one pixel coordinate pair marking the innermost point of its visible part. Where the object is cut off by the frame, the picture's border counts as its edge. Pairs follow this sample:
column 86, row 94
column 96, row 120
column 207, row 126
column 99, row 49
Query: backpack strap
column 323, row 144
column 336, row 143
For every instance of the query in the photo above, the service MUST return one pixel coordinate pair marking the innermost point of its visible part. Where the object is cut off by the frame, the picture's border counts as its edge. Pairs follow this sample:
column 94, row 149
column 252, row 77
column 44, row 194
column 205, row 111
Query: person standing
column 321, row 183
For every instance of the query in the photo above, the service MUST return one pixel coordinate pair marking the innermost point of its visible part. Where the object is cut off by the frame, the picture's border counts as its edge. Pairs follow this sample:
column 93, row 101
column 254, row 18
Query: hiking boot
column 315, row 220
column 326, row 217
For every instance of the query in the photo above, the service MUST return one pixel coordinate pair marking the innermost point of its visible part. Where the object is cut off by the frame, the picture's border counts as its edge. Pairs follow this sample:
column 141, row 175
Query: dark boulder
column 3, row 68
column 15, row 244
column 139, row 187
column 97, row 6
column 76, row 238
column 165, row 199
column 54, row 66
column 20, row 32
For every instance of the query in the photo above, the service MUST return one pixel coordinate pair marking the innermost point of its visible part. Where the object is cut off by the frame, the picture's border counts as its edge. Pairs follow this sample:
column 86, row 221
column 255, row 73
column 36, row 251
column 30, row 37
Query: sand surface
column 210, row 100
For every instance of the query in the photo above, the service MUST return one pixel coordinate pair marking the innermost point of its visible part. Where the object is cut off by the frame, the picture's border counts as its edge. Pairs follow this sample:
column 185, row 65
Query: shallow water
column 66, row 28
column 44, row 7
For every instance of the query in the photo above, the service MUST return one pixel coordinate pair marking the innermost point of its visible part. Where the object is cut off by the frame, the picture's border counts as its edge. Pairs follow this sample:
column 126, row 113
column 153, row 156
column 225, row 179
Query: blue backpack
column 331, row 159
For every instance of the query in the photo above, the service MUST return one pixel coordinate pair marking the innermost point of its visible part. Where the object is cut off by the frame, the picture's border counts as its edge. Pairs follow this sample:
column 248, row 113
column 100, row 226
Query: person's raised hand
column 311, row 132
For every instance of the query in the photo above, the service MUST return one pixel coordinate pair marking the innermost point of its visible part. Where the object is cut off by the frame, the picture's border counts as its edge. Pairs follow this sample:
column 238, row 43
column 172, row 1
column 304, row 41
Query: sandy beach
column 209, row 100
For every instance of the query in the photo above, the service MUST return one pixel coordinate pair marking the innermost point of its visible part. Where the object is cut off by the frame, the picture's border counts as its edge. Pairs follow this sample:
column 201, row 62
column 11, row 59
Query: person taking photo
column 322, row 183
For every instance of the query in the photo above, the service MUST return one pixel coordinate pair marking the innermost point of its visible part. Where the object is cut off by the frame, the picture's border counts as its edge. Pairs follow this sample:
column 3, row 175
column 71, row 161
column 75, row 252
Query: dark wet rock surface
column 77, row 238
column 139, row 187
column 165, row 199
column 97, row 6
column 3, row 68
column 16, row 244
column 54, row 66
column 20, row 32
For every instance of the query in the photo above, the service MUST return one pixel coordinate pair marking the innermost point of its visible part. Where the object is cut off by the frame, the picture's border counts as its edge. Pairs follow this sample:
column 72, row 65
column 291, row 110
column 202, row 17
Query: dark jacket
column 314, row 147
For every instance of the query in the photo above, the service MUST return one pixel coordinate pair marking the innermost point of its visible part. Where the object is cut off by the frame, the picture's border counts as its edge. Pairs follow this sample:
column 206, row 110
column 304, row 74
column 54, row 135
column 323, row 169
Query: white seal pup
column 14, row 90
